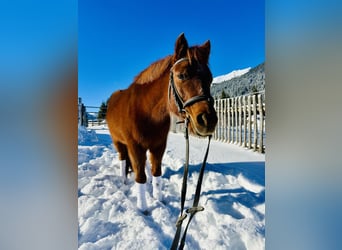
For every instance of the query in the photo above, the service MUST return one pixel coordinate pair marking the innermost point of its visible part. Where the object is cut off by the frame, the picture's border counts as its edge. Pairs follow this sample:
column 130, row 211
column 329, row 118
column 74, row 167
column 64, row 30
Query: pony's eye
column 182, row 76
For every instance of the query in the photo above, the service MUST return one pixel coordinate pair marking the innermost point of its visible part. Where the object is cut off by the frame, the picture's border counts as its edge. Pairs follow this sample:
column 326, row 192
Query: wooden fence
column 241, row 120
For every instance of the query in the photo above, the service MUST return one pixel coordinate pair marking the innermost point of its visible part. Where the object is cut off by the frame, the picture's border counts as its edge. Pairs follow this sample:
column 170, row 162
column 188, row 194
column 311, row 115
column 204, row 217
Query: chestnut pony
column 139, row 117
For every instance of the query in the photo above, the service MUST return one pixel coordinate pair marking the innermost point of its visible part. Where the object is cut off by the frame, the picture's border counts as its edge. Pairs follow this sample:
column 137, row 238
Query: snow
column 231, row 75
column 233, row 195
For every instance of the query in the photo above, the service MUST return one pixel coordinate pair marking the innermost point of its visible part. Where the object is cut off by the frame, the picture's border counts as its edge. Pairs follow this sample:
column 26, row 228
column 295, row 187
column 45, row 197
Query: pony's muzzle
column 206, row 122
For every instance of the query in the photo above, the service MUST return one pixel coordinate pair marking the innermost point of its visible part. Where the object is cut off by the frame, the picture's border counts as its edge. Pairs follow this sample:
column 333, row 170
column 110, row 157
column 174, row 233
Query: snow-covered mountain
column 248, row 82
column 92, row 115
column 231, row 75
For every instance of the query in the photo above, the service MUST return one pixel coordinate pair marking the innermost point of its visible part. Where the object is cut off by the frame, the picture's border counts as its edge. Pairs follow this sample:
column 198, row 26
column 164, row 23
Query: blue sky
column 119, row 39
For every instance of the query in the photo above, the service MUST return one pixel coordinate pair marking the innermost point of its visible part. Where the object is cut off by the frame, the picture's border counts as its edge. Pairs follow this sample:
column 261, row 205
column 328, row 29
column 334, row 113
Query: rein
column 195, row 208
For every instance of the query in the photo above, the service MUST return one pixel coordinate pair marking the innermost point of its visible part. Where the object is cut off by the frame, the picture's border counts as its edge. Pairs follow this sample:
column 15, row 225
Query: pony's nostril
column 202, row 119
column 208, row 120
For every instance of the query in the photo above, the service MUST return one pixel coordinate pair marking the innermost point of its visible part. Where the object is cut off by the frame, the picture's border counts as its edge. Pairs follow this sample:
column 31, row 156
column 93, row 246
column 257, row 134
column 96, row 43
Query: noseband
column 181, row 104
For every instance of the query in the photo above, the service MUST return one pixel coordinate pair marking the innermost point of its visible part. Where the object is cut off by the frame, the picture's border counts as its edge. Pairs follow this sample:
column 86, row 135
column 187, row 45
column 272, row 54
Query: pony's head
column 190, row 80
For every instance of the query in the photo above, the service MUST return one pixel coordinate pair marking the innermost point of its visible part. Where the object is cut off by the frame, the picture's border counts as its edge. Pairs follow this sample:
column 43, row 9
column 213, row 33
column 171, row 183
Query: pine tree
column 254, row 89
column 224, row 95
column 102, row 112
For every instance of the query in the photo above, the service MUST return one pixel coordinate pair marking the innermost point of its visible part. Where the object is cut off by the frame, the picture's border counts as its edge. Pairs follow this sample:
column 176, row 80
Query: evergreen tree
column 102, row 112
column 254, row 89
column 224, row 94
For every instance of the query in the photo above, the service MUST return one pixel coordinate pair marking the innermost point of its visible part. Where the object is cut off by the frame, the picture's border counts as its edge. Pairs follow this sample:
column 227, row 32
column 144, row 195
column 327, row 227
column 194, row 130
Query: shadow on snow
column 224, row 199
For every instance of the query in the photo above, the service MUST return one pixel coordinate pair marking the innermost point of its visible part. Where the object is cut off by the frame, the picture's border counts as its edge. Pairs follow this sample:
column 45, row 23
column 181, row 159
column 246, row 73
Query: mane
column 154, row 71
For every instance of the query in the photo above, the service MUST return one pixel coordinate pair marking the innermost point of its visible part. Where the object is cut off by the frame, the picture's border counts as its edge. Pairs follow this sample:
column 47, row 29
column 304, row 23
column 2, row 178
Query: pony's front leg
column 141, row 197
column 148, row 169
column 138, row 159
column 156, row 161
column 155, row 180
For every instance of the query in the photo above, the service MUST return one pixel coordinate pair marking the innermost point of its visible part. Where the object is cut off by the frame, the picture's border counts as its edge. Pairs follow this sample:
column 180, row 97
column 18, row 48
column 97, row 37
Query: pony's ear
column 206, row 50
column 181, row 47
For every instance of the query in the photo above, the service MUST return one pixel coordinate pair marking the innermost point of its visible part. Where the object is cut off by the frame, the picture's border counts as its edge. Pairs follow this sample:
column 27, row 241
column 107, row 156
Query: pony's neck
column 159, row 99
column 154, row 82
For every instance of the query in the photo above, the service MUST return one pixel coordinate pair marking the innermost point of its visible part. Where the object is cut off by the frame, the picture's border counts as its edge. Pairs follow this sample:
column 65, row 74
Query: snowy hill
column 233, row 195
column 247, row 83
column 92, row 115
column 231, row 75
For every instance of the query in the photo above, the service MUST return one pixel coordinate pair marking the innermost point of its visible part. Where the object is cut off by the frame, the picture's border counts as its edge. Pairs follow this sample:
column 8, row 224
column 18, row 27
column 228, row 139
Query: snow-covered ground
column 233, row 195
column 231, row 75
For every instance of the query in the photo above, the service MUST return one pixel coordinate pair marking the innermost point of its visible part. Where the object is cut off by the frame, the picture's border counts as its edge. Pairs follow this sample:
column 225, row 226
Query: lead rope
column 183, row 192
column 195, row 208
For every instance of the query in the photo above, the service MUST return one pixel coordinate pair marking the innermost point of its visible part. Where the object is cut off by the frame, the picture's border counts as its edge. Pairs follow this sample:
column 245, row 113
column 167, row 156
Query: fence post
column 240, row 120
column 79, row 111
column 236, row 120
column 228, row 118
column 225, row 120
column 261, row 114
column 172, row 124
column 249, row 122
column 217, row 113
column 264, row 120
column 244, row 121
column 218, row 134
column 255, row 127
column 82, row 114
column 219, row 122
column 232, row 120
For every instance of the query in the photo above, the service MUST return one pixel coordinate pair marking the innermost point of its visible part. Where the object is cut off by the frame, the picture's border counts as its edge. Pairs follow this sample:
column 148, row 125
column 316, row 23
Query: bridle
column 181, row 104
